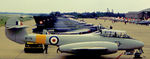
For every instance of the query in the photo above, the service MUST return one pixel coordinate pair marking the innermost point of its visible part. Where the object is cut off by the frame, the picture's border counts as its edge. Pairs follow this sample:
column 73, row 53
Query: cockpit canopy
column 114, row 33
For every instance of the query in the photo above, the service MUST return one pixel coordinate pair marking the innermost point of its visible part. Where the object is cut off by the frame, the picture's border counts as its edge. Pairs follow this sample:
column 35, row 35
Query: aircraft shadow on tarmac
column 84, row 57
column 92, row 57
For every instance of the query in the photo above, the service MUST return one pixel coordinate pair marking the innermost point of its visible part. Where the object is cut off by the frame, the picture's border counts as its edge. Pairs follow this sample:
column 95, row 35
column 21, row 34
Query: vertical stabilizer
column 14, row 31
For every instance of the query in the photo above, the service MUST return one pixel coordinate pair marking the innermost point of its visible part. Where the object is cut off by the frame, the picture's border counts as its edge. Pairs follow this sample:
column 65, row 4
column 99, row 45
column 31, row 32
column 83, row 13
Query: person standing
column 111, row 27
column 45, row 48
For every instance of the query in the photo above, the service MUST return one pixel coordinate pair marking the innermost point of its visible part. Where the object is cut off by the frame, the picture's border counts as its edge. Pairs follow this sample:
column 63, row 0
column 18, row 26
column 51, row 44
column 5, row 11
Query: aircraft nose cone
column 133, row 44
column 140, row 44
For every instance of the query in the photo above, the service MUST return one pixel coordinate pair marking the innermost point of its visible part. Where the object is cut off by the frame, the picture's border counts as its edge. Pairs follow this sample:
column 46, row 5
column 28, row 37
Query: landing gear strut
column 138, row 53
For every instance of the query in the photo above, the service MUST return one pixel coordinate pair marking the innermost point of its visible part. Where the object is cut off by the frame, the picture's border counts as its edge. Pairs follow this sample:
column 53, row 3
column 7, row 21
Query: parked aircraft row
column 129, row 20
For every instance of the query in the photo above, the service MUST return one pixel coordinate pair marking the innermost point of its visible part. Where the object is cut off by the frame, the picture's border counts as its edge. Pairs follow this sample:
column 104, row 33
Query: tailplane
column 15, row 30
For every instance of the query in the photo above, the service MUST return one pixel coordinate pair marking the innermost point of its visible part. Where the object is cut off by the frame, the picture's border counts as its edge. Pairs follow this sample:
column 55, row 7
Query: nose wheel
column 138, row 53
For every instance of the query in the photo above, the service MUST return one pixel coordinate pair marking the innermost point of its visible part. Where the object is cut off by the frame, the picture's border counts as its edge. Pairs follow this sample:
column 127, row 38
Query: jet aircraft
column 98, row 43
column 60, row 24
column 144, row 22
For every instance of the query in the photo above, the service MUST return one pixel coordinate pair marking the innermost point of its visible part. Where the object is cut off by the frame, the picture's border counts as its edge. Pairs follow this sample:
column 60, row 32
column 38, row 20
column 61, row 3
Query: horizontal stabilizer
column 16, row 27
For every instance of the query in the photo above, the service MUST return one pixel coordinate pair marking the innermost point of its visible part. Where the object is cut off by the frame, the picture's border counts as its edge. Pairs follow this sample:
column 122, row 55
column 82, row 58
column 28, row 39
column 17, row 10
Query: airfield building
column 132, row 15
column 143, row 14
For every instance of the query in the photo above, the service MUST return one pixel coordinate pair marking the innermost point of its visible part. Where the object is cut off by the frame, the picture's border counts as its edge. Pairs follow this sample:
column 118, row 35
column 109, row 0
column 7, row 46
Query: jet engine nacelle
column 96, row 47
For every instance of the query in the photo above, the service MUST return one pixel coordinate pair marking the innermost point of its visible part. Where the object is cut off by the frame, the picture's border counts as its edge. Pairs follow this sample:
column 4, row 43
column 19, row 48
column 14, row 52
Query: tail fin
column 14, row 31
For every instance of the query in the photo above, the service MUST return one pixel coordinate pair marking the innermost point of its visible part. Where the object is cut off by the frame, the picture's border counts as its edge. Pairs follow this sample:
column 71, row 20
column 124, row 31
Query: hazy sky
column 46, row 6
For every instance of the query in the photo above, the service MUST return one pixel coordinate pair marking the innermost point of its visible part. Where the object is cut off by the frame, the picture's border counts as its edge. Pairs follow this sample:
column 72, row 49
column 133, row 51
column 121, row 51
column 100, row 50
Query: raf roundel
column 53, row 40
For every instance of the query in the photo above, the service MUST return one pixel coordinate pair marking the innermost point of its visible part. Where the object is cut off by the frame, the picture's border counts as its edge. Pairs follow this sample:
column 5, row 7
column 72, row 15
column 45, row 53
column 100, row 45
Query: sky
column 47, row 6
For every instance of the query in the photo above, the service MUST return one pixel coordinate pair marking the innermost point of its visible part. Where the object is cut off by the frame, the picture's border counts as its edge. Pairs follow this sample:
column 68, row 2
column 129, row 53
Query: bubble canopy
column 114, row 33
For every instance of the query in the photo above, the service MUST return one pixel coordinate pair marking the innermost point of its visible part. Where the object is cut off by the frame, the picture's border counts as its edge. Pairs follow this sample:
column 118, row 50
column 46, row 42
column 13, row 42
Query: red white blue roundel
column 53, row 40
